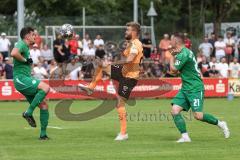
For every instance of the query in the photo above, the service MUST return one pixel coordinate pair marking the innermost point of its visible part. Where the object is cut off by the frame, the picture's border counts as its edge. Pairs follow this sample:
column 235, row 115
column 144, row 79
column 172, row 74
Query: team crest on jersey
column 34, row 81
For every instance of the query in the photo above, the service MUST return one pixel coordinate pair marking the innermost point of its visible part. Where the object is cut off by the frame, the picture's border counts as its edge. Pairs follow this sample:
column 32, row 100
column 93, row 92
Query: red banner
column 148, row 88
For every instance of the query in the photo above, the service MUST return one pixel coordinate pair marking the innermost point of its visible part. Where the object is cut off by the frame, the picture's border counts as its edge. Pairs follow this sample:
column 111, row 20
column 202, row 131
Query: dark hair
column 25, row 31
column 136, row 26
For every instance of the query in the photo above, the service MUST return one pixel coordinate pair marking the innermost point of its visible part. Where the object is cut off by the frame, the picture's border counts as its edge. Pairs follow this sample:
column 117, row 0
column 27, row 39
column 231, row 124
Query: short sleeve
column 20, row 47
column 181, row 59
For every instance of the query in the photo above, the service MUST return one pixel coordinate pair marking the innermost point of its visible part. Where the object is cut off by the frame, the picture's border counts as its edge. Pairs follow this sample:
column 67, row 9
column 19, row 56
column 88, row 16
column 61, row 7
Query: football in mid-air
column 66, row 30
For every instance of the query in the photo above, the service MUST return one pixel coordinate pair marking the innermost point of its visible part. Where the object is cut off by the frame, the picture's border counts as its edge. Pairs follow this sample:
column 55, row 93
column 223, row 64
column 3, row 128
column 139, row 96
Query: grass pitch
column 152, row 134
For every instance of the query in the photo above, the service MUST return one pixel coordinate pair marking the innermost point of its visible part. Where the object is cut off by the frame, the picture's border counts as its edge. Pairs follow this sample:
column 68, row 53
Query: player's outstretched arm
column 18, row 56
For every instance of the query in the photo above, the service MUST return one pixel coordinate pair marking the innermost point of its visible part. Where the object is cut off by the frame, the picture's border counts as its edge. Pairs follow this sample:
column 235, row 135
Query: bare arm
column 172, row 67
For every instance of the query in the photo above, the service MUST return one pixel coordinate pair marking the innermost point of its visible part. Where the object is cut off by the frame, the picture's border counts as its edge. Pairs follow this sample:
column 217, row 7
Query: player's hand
column 29, row 61
column 174, row 51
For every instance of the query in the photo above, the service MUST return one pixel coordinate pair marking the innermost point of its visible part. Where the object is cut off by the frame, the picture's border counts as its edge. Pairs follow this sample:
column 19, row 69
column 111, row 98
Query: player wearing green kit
column 191, row 95
column 33, row 89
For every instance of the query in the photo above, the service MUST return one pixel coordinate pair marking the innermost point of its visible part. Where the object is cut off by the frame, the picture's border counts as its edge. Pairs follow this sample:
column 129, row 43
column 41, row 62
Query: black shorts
column 126, row 85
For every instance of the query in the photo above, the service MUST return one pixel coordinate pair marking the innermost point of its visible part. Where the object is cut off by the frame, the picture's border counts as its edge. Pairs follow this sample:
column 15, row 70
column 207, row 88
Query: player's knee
column 198, row 116
column 43, row 105
column 175, row 110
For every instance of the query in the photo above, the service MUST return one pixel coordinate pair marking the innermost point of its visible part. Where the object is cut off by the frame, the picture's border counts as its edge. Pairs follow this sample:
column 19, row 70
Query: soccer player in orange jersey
column 126, row 72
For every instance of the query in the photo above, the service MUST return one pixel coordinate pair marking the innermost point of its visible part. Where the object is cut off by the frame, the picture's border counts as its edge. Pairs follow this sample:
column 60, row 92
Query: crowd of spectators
column 74, row 59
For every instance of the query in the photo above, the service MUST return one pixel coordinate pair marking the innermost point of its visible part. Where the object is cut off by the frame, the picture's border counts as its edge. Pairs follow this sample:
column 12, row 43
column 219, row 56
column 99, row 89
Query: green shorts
column 187, row 100
column 28, row 86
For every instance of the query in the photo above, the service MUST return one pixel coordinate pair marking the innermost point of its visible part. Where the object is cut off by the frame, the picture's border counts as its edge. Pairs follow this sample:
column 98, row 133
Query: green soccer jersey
column 21, row 68
column 187, row 65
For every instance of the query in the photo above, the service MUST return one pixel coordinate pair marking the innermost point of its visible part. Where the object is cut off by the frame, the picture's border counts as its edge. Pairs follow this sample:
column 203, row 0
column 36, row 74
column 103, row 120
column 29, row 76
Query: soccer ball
column 66, row 31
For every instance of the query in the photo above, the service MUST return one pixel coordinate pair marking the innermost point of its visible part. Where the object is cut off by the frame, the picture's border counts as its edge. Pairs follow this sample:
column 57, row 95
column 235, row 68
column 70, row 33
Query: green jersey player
column 33, row 89
column 191, row 95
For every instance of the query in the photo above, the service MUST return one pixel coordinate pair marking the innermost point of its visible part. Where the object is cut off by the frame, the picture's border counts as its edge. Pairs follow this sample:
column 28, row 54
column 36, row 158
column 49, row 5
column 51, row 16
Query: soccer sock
column 180, row 123
column 123, row 119
column 44, row 116
column 97, row 77
column 209, row 119
column 39, row 97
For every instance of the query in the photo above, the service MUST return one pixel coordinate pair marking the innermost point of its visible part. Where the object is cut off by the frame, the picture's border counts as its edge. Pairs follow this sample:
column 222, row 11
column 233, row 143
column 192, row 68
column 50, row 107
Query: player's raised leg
column 180, row 123
column 42, row 91
column 210, row 119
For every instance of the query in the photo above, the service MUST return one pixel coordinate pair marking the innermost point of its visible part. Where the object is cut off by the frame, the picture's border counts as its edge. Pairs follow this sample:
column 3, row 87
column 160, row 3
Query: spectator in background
column 72, row 66
column 4, row 45
column 164, row 46
column 1, row 67
column 86, row 41
column 157, row 69
column 38, row 40
column 8, row 69
column 46, row 53
column 213, row 62
column 229, row 50
column 73, row 46
column 51, row 67
column 187, row 41
column 219, row 48
column 57, row 72
column 80, row 44
column 39, row 71
column 58, row 49
column 87, row 71
column 238, row 47
column 213, row 73
column 212, row 40
column 100, row 52
column 155, row 55
column 234, row 68
column 222, row 67
column 35, row 54
column 147, row 45
column 90, row 51
column 204, row 67
column 98, row 41
column 206, row 48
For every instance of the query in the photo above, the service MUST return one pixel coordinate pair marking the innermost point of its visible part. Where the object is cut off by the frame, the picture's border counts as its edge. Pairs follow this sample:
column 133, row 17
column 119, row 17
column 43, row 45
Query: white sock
column 218, row 123
column 185, row 135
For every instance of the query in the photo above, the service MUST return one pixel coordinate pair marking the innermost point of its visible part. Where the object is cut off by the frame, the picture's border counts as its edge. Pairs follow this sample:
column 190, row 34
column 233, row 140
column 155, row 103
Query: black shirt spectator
column 147, row 45
column 87, row 71
column 8, row 69
column 212, row 40
column 213, row 72
column 204, row 67
column 58, row 53
column 100, row 53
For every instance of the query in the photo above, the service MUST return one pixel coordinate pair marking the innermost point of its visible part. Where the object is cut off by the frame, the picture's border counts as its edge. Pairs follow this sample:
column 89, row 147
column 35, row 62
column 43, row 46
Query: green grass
column 148, row 138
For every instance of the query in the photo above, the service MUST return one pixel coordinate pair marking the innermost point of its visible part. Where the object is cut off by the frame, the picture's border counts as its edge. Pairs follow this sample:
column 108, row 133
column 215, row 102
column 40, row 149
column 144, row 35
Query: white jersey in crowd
column 89, row 52
column 39, row 72
column 86, row 43
column 234, row 70
column 98, row 42
column 4, row 45
column 35, row 54
column 75, row 73
column 223, row 69
column 220, row 52
column 206, row 48
column 47, row 54
column 229, row 41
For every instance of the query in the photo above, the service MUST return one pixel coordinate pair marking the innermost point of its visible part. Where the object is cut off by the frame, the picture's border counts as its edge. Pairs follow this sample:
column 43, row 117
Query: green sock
column 44, row 116
column 180, row 123
column 39, row 97
column 209, row 119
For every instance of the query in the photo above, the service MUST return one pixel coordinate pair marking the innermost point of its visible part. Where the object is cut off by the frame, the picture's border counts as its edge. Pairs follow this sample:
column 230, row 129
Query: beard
column 128, row 37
